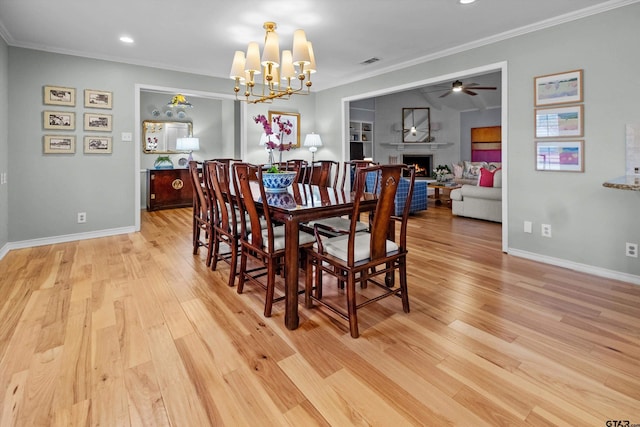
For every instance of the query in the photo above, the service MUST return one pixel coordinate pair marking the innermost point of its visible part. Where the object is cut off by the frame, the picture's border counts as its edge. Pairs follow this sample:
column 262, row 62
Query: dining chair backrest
column 323, row 173
column 223, row 200
column 297, row 165
column 389, row 177
column 350, row 172
column 243, row 174
column 201, row 201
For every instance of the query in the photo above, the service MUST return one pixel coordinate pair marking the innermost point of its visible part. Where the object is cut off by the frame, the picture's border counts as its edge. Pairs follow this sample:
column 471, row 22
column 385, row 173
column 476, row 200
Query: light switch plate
column 127, row 137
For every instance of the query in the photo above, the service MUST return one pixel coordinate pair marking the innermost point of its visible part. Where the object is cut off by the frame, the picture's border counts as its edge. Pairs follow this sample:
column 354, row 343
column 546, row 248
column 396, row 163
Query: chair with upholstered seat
column 361, row 258
column 226, row 221
column 265, row 246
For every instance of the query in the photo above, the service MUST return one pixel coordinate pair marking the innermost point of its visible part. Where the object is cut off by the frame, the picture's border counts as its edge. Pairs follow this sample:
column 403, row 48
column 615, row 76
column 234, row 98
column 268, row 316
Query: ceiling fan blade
column 445, row 94
column 468, row 92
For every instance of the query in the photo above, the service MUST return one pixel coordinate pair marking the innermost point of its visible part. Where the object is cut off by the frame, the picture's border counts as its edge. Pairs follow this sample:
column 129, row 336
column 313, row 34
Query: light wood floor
column 135, row 330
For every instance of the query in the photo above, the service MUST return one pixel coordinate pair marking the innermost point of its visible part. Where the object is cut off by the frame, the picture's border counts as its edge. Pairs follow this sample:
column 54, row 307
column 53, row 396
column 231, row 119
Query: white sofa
column 479, row 202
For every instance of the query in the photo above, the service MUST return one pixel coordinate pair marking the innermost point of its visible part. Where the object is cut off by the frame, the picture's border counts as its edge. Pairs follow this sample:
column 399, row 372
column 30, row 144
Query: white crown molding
column 558, row 20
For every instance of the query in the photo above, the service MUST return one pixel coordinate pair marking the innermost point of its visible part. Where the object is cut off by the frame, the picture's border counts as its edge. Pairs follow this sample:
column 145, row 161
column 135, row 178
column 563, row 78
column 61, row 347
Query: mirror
column 159, row 137
column 416, row 124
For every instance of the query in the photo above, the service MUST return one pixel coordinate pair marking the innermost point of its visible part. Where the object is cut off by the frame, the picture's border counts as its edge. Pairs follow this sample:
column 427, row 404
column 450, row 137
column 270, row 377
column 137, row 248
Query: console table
column 628, row 182
column 168, row 188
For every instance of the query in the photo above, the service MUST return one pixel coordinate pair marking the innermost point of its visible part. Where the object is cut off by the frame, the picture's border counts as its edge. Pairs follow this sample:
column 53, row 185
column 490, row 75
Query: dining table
column 300, row 204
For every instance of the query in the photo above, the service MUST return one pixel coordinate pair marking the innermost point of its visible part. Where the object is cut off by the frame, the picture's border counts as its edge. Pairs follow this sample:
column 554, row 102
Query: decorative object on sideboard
column 296, row 64
column 163, row 162
column 313, row 141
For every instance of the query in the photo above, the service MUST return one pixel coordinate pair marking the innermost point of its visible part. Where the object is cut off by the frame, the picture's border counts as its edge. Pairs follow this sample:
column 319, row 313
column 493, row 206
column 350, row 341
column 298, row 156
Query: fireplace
column 422, row 162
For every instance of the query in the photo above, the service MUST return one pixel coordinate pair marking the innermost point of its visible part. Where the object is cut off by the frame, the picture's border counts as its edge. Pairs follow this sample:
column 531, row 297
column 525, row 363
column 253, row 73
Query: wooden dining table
column 299, row 204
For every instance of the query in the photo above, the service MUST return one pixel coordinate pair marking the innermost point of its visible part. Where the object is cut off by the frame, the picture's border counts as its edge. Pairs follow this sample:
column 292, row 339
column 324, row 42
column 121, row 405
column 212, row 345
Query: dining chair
column 226, row 219
column 343, row 223
column 361, row 258
column 265, row 246
column 202, row 212
column 298, row 165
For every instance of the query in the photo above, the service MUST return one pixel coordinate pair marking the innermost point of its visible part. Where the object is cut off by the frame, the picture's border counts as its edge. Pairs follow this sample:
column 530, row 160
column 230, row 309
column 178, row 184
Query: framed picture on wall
column 294, row 119
column 563, row 156
column 559, row 122
column 563, row 88
column 59, row 144
column 98, row 145
column 97, row 99
column 57, row 95
column 97, row 122
column 59, row 120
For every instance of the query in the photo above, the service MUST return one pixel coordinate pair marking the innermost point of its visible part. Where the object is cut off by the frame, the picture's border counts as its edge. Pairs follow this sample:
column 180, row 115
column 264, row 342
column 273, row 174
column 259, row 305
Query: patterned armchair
column 419, row 200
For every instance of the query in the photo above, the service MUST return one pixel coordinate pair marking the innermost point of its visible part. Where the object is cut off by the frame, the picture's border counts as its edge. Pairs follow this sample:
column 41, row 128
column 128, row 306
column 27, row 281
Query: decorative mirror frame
column 420, row 119
column 154, row 135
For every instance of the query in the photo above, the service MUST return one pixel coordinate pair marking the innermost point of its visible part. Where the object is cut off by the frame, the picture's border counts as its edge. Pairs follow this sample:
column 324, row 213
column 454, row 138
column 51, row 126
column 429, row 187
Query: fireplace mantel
column 401, row 146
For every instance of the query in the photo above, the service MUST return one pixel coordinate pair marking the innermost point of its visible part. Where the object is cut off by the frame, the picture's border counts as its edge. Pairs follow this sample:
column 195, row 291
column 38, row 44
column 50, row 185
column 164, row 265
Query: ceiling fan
column 458, row 86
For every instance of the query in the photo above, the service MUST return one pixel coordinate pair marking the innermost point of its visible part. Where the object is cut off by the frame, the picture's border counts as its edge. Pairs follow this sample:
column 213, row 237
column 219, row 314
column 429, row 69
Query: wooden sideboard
column 168, row 188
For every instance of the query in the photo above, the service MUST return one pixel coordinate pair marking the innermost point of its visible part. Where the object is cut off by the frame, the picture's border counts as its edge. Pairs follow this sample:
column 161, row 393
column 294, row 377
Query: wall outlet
column 528, row 227
column 82, row 217
column 546, row 230
column 631, row 250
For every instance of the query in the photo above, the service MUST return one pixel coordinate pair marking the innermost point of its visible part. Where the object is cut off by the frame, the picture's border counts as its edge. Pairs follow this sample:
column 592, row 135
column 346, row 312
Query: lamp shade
column 312, row 140
column 188, row 144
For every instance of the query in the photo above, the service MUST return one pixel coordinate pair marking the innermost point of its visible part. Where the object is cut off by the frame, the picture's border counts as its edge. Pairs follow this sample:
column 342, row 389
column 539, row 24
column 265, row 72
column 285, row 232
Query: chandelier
column 278, row 74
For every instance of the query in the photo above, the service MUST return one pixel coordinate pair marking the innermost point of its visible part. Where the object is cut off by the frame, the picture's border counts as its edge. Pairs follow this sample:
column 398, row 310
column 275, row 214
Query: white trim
column 65, row 238
column 497, row 66
column 558, row 20
column 582, row 268
column 138, row 87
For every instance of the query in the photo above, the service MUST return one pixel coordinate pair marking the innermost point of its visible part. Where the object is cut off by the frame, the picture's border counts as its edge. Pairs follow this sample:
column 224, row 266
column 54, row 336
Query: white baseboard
column 63, row 239
column 583, row 268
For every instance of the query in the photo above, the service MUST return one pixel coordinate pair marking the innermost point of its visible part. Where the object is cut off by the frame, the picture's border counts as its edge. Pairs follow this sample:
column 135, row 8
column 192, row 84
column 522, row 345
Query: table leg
column 436, row 195
column 291, row 235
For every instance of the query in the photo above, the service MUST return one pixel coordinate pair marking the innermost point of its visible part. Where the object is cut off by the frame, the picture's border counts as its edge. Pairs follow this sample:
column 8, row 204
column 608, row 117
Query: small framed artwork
column 559, row 122
column 283, row 117
column 563, row 88
column 59, row 144
column 97, row 122
column 97, row 99
column 59, row 120
column 564, row 156
column 98, row 145
column 56, row 95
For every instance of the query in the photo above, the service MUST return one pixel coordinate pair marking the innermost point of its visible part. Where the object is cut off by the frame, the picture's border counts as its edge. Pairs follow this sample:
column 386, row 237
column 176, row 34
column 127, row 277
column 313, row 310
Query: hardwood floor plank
column 136, row 330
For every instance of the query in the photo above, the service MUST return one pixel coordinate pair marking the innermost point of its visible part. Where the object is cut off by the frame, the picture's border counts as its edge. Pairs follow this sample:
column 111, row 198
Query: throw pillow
column 472, row 169
column 457, row 170
column 486, row 177
column 494, row 165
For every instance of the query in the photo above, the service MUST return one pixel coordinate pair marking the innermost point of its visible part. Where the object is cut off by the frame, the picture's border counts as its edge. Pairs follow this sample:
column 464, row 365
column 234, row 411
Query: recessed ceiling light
column 126, row 39
column 467, row 1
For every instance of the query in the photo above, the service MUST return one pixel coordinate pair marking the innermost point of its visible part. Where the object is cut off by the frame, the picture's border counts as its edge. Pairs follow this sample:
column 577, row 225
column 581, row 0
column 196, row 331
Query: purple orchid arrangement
column 284, row 127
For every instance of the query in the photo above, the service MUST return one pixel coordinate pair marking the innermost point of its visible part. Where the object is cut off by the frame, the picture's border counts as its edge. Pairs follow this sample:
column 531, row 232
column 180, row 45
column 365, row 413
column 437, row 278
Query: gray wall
column 590, row 223
column 4, row 144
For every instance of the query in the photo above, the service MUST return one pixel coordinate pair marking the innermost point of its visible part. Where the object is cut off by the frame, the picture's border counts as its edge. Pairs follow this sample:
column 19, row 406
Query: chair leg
column 234, row 263
column 215, row 254
column 210, row 253
column 243, row 269
column 351, row 306
column 271, row 284
column 403, row 287
column 308, row 282
column 196, row 237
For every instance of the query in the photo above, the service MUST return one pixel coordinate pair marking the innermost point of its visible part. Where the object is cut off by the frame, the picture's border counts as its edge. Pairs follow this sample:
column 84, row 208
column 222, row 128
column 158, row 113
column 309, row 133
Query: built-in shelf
column 628, row 182
column 401, row 146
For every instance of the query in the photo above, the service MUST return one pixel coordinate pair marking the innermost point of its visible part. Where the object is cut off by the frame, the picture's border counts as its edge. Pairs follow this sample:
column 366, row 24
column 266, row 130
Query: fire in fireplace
column 422, row 162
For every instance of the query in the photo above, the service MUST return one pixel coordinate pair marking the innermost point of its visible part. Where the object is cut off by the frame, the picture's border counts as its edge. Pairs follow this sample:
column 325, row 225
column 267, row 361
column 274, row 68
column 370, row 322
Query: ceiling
column 200, row 36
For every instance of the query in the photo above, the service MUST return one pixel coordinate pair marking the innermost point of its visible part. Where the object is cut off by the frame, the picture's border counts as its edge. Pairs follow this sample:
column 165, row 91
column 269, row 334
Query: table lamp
column 189, row 144
column 313, row 141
